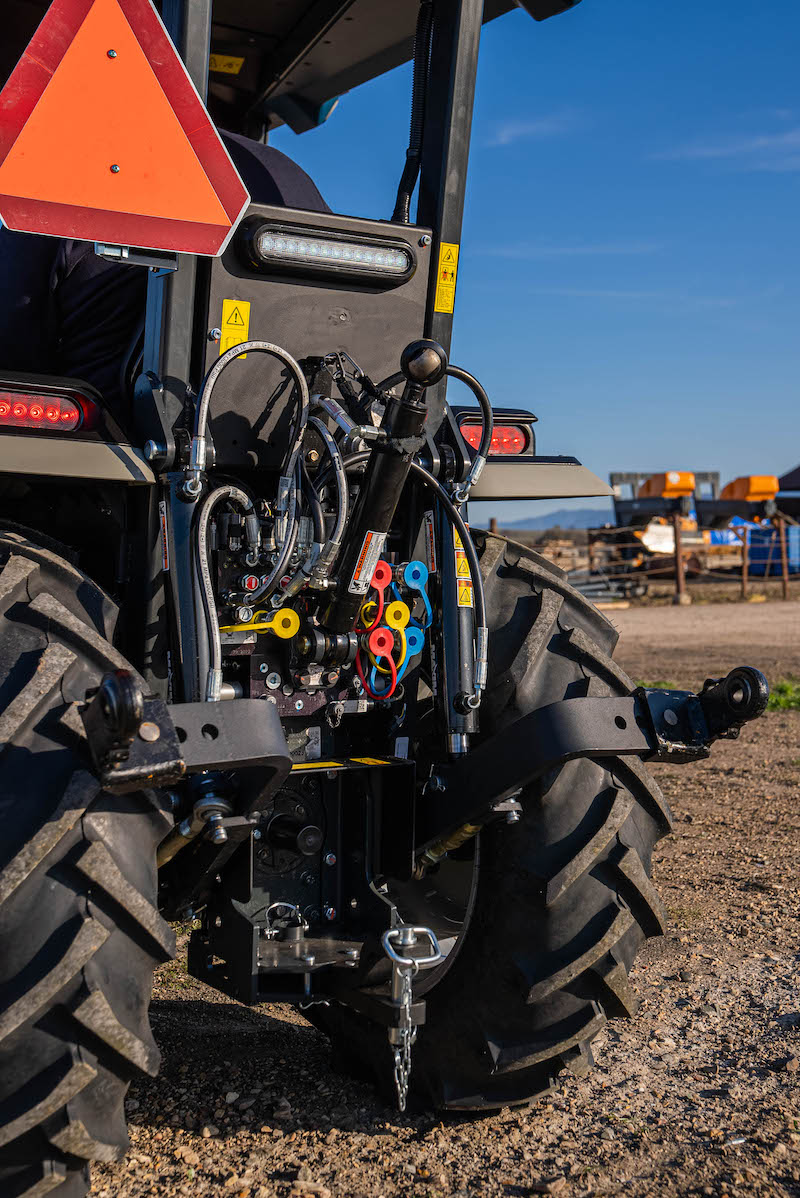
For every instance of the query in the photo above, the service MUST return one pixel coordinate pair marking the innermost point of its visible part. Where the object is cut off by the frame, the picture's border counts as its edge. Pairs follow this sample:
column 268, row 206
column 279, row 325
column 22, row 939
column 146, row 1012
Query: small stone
column 410, row 1169
column 132, row 1104
column 607, row 1134
column 550, row 1185
column 231, row 1096
column 687, row 975
column 187, row 1155
column 792, row 1065
column 209, row 1130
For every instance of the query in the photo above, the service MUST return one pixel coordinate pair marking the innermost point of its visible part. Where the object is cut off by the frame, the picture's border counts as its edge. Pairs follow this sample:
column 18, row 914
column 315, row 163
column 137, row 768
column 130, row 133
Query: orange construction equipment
column 672, row 484
column 752, row 488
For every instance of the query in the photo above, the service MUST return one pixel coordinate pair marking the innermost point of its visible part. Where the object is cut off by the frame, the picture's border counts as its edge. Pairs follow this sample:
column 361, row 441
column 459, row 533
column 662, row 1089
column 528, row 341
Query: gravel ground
column 698, row 1094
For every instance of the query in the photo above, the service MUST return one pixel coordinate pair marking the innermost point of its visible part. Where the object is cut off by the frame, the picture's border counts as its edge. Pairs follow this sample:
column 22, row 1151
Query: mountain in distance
column 583, row 517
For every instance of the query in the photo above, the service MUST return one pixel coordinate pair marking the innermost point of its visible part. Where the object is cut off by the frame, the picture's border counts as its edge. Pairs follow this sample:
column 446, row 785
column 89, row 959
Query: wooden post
column 493, row 524
column 681, row 595
column 745, row 535
column 784, row 557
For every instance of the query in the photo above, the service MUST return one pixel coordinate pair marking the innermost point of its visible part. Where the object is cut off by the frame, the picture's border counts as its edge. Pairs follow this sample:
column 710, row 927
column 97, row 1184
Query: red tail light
column 55, row 413
column 506, row 438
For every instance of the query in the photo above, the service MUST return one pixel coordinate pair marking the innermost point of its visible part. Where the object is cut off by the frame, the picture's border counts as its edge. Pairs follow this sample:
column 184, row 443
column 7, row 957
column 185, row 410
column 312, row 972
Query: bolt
column 152, row 450
column 310, row 959
column 273, row 681
column 112, row 54
column 217, row 834
column 353, row 904
column 425, row 239
column 214, row 334
column 308, row 879
column 298, row 706
column 312, row 456
column 149, row 731
column 263, row 668
column 357, row 686
column 299, row 809
column 329, row 913
column 287, row 690
column 513, row 817
column 330, row 859
column 256, row 834
column 243, row 614
column 114, row 169
column 332, row 677
column 350, row 954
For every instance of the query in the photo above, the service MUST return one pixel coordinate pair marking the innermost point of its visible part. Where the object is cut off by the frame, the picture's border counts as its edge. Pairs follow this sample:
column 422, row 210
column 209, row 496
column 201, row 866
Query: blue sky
column 630, row 265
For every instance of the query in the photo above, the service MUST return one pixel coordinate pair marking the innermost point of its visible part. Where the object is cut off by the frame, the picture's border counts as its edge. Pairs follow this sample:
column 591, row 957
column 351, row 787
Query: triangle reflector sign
column 103, row 136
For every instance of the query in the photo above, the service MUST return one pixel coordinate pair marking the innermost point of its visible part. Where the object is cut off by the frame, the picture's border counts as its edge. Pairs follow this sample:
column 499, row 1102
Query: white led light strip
column 305, row 249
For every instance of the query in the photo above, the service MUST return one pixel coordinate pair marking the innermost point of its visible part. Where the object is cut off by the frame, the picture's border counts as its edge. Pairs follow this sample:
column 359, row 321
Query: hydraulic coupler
column 423, row 363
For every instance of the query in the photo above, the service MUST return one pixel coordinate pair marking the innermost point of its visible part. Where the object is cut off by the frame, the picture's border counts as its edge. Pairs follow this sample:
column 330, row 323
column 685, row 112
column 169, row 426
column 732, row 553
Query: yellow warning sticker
column 371, row 760
column 465, row 593
column 446, row 278
column 225, row 64
column 235, row 324
column 462, row 565
column 459, row 544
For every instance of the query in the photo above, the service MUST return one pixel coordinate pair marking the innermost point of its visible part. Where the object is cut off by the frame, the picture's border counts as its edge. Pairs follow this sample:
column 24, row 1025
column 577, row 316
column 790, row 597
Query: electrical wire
column 419, row 95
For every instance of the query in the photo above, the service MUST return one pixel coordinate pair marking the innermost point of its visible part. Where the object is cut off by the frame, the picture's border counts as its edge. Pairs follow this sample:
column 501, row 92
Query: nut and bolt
column 425, row 239
column 298, row 705
column 263, row 668
column 273, row 681
column 112, row 53
column 329, row 913
column 114, row 169
column 330, row 858
column 256, row 834
column 332, row 677
column 214, row 334
column 149, row 731
column 243, row 614
column 312, row 456
column 513, row 817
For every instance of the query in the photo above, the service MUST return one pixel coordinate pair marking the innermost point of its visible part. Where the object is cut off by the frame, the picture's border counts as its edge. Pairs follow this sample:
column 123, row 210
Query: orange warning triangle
column 104, row 137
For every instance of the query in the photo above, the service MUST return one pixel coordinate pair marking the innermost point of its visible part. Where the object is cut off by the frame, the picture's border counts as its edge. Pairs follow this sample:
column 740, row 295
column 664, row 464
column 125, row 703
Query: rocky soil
column 698, row 1094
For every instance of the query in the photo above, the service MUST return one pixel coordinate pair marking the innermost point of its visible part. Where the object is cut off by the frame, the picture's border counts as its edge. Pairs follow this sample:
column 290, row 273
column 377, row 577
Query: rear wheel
column 542, row 918
column 79, row 931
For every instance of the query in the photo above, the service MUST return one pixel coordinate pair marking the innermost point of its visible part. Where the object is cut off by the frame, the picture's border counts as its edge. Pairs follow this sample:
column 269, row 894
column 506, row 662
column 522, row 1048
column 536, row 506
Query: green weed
column 784, row 695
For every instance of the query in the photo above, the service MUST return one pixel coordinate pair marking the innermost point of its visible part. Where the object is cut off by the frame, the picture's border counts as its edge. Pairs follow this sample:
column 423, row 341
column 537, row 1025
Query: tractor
column 257, row 673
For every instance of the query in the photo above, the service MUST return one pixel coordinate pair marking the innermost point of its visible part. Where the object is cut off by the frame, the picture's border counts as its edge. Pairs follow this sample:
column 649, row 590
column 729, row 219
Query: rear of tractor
column 256, row 670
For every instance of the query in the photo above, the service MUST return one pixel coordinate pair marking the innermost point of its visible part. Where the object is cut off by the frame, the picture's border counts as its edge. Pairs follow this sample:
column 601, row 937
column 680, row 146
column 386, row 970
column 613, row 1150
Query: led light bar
column 44, row 413
column 307, row 251
column 507, row 439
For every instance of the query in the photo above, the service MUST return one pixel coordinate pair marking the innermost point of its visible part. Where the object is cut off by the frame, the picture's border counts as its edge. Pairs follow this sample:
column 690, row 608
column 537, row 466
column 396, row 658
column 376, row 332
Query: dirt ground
column 698, row 1094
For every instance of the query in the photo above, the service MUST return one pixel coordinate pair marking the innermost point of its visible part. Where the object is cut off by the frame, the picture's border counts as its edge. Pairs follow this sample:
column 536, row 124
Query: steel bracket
column 139, row 741
column 653, row 724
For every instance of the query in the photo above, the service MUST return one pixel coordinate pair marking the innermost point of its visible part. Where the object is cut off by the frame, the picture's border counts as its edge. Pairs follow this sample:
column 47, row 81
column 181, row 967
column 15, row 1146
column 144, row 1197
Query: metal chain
column 407, row 1035
column 397, row 943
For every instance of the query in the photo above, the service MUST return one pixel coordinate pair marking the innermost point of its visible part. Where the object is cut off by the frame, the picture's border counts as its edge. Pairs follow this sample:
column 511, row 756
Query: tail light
column 507, row 439
column 46, row 412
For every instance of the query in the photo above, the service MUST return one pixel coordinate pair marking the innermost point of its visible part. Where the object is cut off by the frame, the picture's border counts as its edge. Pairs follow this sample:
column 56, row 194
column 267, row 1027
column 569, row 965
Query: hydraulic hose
column 289, row 541
column 314, row 505
column 334, row 543
column 197, row 461
column 419, row 94
column 479, row 461
column 211, row 685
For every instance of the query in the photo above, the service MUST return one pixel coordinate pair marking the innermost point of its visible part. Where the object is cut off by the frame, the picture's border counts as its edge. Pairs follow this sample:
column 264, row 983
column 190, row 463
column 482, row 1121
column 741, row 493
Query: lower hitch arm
column 652, row 724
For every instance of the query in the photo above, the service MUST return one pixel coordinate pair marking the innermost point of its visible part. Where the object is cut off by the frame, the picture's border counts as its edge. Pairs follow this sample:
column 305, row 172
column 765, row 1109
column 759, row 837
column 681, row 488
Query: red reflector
column 506, row 438
column 39, row 411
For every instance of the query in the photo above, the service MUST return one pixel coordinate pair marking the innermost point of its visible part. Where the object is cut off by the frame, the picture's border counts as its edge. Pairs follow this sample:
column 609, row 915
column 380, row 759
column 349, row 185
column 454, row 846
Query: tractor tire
column 79, row 931
column 559, row 902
